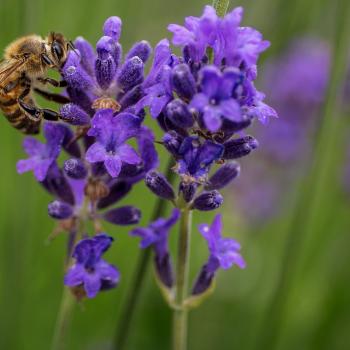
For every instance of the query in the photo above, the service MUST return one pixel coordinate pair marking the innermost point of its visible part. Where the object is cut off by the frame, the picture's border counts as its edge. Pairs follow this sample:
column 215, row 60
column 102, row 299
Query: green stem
column 68, row 300
column 181, row 287
column 63, row 320
column 139, row 275
column 221, row 7
column 306, row 216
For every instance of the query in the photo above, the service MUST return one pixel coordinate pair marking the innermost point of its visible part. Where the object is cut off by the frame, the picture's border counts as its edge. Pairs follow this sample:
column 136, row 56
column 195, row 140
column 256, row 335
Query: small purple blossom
column 111, row 133
column 197, row 34
column 215, row 100
column 224, row 252
column 196, row 158
column 156, row 234
column 42, row 156
column 90, row 271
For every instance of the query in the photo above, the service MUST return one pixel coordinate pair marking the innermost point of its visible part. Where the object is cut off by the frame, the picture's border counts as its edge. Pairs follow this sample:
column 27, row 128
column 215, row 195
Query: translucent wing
column 8, row 67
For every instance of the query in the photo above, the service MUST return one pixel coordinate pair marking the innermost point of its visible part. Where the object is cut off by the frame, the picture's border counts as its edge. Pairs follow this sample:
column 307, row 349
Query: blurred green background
column 317, row 312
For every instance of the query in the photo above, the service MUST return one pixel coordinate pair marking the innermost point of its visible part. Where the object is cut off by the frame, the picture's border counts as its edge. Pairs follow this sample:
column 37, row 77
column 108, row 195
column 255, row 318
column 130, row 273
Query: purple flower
column 156, row 234
column 237, row 45
column 215, row 99
column 42, row 156
column 196, row 158
column 197, row 34
column 224, row 252
column 111, row 133
column 90, row 271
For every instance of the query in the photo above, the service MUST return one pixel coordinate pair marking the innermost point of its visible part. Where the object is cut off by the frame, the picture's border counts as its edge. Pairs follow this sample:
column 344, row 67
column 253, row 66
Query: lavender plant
column 203, row 100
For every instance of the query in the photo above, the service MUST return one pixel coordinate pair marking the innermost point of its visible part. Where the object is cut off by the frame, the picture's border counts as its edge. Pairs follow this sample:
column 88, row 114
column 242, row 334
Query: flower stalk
column 68, row 300
column 139, row 275
column 181, row 287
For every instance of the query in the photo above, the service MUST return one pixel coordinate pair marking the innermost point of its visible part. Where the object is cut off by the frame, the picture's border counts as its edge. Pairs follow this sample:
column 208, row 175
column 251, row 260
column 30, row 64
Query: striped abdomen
column 15, row 115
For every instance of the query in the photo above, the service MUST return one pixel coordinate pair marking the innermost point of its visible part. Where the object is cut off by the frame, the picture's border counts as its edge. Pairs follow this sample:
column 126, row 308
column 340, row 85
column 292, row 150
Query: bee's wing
column 7, row 67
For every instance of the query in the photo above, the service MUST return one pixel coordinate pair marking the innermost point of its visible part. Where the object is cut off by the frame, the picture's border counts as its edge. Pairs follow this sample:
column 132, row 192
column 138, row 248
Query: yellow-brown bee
column 22, row 71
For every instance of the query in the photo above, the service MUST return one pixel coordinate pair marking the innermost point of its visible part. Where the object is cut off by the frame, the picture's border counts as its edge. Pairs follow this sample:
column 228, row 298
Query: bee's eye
column 57, row 50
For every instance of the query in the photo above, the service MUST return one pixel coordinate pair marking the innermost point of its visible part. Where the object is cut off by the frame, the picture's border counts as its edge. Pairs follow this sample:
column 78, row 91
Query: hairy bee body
column 23, row 69
column 13, row 112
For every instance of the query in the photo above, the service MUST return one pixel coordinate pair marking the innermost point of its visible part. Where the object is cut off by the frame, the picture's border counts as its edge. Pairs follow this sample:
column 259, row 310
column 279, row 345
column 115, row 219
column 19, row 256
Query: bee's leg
column 52, row 97
column 38, row 113
column 53, row 82
column 34, row 112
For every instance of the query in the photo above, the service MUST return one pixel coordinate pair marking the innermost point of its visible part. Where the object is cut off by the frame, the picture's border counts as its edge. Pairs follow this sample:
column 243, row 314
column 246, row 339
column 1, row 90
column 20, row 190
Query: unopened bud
column 159, row 185
column 208, row 201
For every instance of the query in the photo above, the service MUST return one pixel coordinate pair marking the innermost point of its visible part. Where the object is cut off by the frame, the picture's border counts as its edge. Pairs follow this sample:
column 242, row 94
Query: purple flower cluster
column 102, row 167
column 203, row 100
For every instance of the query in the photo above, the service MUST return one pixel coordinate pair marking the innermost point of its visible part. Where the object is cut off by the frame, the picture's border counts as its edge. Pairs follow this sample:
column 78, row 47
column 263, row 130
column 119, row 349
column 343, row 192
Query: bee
column 24, row 70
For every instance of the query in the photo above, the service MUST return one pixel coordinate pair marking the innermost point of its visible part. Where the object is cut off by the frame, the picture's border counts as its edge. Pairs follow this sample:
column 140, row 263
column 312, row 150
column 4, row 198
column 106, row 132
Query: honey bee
column 22, row 71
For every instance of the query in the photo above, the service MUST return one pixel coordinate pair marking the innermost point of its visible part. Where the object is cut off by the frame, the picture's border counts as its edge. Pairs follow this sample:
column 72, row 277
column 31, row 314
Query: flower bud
column 127, row 215
column 131, row 97
column 183, row 81
column 178, row 114
column 188, row 190
column 223, row 176
column 141, row 49
column 237, row 148
column 203, row 281
column 131, row 73
column 164, row 269
column 112, row 27
column 172, row 142
column 105, row 66
column 117, row 191
column 87, row 54
column 60, row 210
column 159, row 185
column 75, row 168
column 73, row 114
column 208, row 201
column 75, row 75
column 70, row 144
column 57, row 184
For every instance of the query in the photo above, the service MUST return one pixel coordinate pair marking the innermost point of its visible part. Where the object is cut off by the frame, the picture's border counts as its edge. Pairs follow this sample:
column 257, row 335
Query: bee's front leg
column 34, row 112
column 53, row 82
column 52, row 97
column 38, row 113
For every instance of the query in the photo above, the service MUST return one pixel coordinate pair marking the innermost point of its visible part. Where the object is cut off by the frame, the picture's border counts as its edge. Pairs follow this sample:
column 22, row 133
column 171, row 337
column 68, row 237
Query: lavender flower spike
column 90, row 271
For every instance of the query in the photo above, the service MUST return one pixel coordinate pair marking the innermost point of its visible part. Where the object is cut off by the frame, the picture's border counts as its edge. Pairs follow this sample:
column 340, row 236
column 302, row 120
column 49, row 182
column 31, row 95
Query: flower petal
column 113, row 165
column 92, row 284
column 96, row 153
column 128, row 155
column 212, row 119
column 74, row 276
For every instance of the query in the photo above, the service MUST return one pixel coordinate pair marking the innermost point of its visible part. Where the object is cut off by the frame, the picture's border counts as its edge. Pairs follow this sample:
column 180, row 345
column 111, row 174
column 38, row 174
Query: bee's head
column 58, row 48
